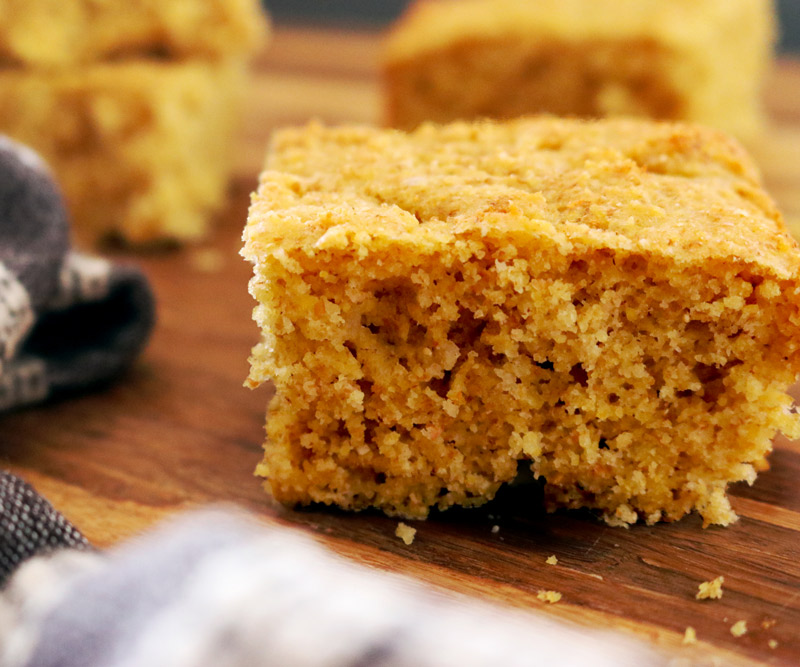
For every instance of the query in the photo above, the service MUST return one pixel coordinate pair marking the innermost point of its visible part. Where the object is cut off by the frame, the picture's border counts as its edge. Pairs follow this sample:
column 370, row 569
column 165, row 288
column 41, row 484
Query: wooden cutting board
column 180, row 430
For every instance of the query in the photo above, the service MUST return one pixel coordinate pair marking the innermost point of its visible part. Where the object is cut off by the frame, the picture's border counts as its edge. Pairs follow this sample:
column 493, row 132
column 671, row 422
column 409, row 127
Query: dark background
column 378, row 12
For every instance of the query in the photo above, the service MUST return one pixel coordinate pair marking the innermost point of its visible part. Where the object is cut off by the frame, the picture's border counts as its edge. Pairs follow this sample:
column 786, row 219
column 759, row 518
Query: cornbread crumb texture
column 65, row 33
column 552, row 560
column 710, row 590
column 690, row 636
column 615, row 302
column 698, row 60
column 739, row 628
column 405, row 533
column 551, row 597
column 141, row 149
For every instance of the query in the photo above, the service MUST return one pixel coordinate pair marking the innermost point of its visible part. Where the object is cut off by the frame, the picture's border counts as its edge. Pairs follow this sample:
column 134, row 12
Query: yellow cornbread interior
column 614, row 301
column 691, row 60
column 517, row 76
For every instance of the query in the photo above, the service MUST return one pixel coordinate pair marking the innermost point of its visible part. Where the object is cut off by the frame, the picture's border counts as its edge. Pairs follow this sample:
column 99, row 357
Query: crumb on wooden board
column 207, row 260
column 405, row 533
column 710, row 590
column 739, row 628
column 551, row 597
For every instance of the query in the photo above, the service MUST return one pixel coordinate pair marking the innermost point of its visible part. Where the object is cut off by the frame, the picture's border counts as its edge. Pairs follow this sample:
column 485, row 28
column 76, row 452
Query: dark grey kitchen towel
column 68, row 321
column 29, row 526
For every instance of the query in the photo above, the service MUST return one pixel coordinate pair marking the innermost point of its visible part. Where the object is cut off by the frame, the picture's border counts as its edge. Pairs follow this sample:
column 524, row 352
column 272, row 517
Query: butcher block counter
column 179, row 430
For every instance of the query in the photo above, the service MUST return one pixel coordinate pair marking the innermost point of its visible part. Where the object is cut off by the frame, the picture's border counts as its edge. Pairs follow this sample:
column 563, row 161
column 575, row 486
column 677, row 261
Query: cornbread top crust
column 678, row 23
column 62, row 33
column 674, row 192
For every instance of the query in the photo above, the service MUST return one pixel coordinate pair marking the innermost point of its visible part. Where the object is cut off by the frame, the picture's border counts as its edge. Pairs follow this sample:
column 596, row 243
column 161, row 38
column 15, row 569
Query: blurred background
column 372, row 13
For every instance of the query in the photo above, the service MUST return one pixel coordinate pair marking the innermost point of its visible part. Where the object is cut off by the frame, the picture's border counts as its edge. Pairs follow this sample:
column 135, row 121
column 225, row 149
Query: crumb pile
column 616, row 302
column 697, row 60
column 134, row 104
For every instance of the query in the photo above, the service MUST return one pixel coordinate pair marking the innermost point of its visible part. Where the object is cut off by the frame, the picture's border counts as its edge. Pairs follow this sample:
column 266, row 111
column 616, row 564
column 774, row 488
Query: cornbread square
column 142, row 149
column 693, row 60
column 67, row 33
column 614, row 302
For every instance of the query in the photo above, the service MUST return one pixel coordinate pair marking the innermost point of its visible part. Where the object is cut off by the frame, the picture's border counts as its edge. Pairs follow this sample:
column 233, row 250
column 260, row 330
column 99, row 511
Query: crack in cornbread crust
column 616, row 302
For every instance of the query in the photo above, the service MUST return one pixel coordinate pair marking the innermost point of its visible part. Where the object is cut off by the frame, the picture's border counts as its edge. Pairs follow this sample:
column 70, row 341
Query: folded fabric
column 67, row 321
column 214, row 588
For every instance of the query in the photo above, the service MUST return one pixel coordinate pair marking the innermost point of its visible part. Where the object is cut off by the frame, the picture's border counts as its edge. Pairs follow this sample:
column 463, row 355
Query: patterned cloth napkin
column 29, row 525
column 68, row 321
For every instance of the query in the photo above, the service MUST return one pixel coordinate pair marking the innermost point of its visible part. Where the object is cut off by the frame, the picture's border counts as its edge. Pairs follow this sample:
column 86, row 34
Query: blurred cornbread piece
column 615, row 302
column 141, row 148
column 59, row 33
column 135, row 105
column 695, row 60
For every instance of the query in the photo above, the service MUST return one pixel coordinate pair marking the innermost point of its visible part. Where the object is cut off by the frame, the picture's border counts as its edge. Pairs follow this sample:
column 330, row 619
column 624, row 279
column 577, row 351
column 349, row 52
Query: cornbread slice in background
column 616, row 302
column 142, row 149
column 134, row 104
column 695, row 60
column 61, row 33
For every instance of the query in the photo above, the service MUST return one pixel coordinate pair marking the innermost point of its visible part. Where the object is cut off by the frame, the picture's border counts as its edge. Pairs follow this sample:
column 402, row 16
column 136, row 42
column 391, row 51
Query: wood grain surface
column 180, row 430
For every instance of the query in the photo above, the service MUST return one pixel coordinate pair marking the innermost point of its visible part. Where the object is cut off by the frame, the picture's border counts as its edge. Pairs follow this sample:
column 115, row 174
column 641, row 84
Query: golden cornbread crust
column 616, row 302
column 62, row 33
column 141, row 149
column 695, row 60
